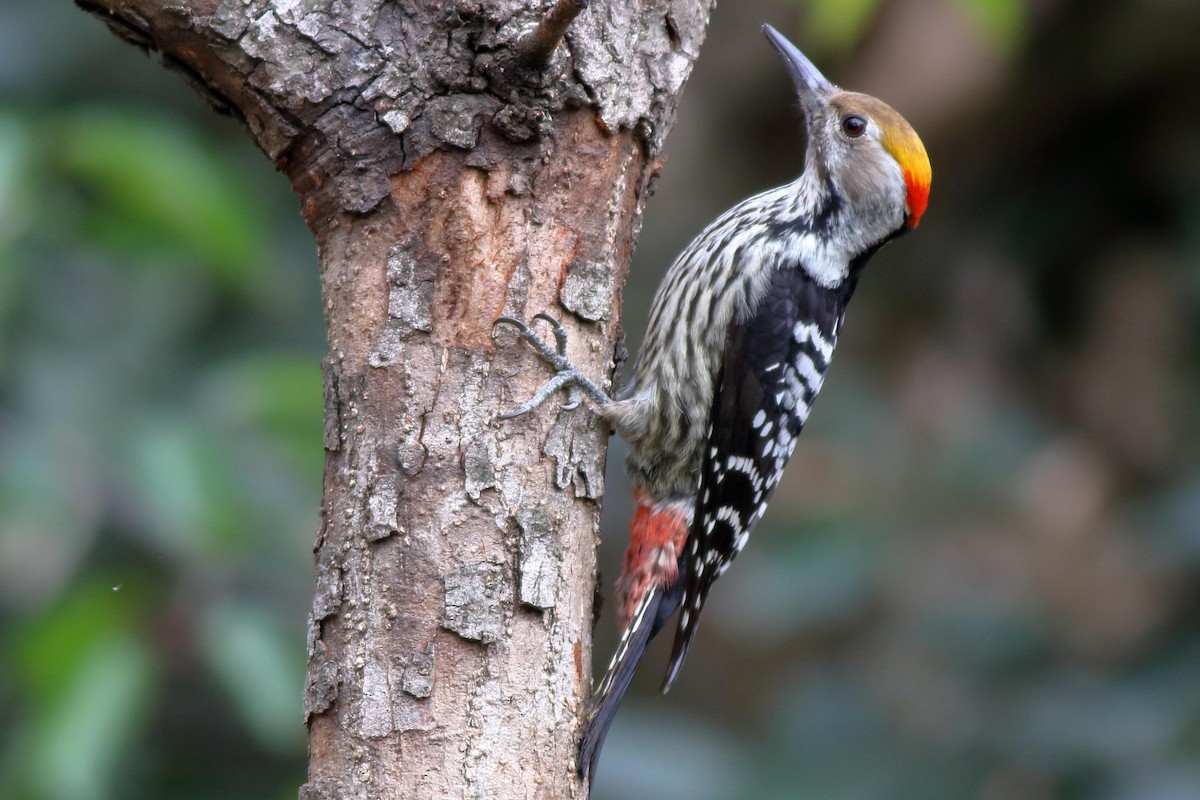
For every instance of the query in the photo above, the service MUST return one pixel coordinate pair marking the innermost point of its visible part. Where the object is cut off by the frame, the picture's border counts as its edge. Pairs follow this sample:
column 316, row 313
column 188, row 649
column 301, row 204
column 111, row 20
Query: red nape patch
column 918, row 198
column 656, row 538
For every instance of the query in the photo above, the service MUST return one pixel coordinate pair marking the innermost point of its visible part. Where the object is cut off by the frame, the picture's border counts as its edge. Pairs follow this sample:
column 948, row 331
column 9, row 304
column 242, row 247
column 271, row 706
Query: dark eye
column 854, row 126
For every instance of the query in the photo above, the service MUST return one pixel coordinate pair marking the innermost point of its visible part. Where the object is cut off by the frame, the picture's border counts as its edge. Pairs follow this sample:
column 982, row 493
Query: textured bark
column 449, row 176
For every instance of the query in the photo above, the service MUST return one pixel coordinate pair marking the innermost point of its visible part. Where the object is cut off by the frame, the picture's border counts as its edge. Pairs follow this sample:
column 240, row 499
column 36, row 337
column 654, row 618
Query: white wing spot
column 810, row 332
column 809, row 372
column 729, row 515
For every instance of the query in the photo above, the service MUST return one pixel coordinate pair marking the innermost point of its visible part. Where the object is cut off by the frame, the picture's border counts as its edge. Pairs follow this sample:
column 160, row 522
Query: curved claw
column 555, row 357
column 516, row 412
column 560, row 333
column 516, row 323
column 548, row 388
column 573, row 400
column 565, row 373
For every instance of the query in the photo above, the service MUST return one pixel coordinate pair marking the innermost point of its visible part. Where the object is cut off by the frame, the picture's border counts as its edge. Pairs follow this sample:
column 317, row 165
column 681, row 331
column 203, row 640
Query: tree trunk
column 455, row 162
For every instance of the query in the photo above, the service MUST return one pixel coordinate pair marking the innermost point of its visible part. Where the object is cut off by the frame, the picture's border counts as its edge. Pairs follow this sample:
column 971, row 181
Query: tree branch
column 537, row 46
column 455, row 559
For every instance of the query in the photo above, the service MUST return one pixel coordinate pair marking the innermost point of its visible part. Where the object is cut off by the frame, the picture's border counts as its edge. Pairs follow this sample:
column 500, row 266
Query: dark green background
column 978, row 580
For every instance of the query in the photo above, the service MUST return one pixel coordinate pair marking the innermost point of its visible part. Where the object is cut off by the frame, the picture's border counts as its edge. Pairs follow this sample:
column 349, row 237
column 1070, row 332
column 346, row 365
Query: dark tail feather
column 630, row 648
column 684, row 634
column 656, row 607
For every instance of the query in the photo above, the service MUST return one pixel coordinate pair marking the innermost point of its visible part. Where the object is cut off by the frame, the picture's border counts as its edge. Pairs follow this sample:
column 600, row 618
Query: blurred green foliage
column 978, row 580
column 160, row 431
column 836, row 25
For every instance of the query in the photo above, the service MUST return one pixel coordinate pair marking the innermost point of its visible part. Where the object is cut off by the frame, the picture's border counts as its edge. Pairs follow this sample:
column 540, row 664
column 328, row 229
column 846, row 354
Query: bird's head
column 861, row 147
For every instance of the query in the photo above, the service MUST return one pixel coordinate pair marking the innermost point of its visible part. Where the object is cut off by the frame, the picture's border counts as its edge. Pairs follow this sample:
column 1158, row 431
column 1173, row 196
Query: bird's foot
column 566, row 375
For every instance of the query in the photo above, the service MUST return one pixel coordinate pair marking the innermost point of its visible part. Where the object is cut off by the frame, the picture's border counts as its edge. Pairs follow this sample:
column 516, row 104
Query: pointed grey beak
column 809, row 80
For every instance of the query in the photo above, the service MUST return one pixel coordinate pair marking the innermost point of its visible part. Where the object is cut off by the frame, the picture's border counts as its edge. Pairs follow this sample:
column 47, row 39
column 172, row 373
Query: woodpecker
column 740, row 336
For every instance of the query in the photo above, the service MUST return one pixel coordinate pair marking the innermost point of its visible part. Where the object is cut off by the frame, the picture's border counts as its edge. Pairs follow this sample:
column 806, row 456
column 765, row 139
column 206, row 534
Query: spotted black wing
column 773, row 366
